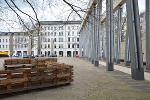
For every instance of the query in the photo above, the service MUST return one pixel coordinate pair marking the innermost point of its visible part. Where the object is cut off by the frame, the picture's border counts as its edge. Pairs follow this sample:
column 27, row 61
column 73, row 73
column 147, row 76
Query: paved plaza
column 90, row 83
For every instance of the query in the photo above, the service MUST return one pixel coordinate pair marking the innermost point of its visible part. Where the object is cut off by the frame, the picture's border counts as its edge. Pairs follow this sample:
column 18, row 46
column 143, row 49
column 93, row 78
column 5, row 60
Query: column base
column 110, row 67
column 92, row 61
column 96, row 63
column 127, row 63
column 117, row 61
column 138, row 74
column 114, row 60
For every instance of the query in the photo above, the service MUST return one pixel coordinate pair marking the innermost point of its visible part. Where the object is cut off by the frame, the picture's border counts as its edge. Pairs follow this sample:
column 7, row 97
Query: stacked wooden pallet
column 10, row 64
column 27, row 79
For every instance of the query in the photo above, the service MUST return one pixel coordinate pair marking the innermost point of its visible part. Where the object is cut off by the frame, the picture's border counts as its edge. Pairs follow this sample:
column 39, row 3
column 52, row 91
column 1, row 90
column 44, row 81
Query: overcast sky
column 47, row 12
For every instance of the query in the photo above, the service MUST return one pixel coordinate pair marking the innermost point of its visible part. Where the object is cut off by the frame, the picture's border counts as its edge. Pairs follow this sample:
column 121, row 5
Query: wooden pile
column 10, row 64
column 27, row 79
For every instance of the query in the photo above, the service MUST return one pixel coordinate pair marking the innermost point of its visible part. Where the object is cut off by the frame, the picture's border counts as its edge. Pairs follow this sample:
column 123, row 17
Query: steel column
column 92, row 33
column 147, row 35
column 96, row 46
column 103, row 42
column 99, row 16
column 133, row 26
column 119, row 31
column 127, row 52
column 109, row 35
column 114, row 47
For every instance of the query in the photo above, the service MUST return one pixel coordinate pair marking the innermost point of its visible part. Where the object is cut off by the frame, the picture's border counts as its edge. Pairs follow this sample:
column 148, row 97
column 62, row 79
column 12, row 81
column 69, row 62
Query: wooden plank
column 11, row 81
column 64, row 67
column 63, row 75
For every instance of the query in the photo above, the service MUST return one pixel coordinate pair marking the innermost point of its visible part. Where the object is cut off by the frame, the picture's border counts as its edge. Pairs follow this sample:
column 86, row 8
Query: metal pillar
column 127, row 52
column 99, row 16
column 109, row 35
column 96, row 46
column 114, row 47
column 119, row 31
column 103, row 42
column 92, row 36
column 133, row 26
column 147, row 35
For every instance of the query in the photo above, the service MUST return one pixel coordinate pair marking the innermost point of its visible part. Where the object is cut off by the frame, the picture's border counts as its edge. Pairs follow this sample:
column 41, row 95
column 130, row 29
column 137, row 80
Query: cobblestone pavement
column 90, row 83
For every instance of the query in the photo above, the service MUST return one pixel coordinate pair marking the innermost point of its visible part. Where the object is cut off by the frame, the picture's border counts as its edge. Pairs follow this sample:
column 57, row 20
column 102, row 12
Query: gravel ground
column 90, row 83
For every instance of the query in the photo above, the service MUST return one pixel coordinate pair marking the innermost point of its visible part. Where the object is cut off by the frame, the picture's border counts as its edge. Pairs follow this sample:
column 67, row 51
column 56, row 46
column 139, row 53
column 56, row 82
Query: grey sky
column 46, row 12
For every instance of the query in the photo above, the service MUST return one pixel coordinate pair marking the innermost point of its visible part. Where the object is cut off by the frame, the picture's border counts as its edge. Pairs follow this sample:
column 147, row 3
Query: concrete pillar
column 119, row 31
column 109, row 35
column 147, row 35
column 133, row 26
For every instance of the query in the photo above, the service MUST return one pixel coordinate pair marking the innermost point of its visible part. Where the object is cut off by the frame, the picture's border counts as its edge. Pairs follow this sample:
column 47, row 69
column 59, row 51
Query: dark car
column 41, row 55
column 54, row 55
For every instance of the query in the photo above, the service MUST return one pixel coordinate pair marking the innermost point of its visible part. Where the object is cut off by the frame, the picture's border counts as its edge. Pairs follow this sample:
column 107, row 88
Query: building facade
column 65, row 36
column 64, row 33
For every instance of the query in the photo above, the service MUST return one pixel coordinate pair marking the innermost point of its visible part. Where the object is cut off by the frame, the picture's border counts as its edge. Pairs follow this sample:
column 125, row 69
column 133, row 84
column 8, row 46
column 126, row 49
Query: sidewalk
column 90, row 83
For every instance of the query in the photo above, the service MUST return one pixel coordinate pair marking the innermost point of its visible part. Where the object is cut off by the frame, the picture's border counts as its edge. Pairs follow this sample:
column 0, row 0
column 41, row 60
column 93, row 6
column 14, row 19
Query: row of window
column 16, row 40
column 3, row 46
column 60, row 40
column 58, row 28
column 3, row 40
column 59, row 46
column 60, row 34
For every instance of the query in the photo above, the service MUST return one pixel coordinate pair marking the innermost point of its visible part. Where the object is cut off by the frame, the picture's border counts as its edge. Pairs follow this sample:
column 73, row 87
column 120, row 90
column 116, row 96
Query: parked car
column 54, row 55
column 28, row 56
column 41, row 55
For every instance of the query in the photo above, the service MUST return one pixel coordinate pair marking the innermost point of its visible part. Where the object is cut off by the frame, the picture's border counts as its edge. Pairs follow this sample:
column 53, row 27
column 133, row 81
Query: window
column 6, row 46
column 77, row 27
column 45, row 46
column 72, row 39
column 45, row 28
column 48, row 33
column 55, row 52
column 54, row 33
column 68, row 45
column 6, row 40
column 72, row 33
column 45, row 33
column 54, row 45
column 72, row 45
column 51, row 28
column 55, row 39
column 68, row 39
column 77, row 45
column 16, row 46
column 22, row 46
column 48, row 45
column 51, row 33
column 3, row 46
column 77, row 39
column 60, row 45
column 60, row 33
column 68, row 27
column 0, row 46
column 0, row 40
column 48, row 39
column 68, row 33
column 3, row 40
column 48, row 28
column 60, row 39
column 72, row 27
column 21, row 39
column 55, row 28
